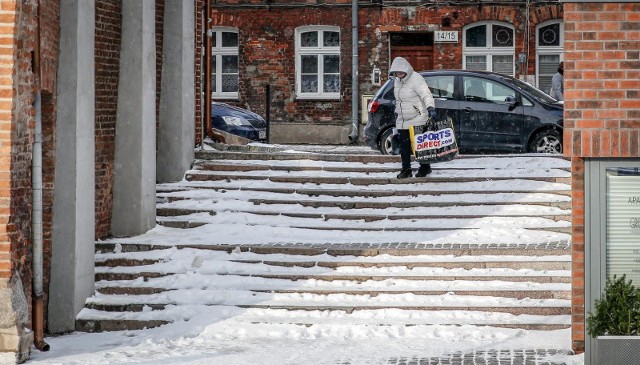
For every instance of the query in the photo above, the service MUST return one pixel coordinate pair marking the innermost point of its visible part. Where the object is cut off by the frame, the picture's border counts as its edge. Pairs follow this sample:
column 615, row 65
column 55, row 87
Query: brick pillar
column 601, row 109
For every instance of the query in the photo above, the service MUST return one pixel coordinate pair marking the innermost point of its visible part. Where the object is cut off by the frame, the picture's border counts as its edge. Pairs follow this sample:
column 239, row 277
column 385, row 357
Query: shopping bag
column 434, row 142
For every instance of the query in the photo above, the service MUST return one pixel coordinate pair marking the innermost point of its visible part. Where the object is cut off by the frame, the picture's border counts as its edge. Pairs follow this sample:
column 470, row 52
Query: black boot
column 423, row 171
column 405, row 173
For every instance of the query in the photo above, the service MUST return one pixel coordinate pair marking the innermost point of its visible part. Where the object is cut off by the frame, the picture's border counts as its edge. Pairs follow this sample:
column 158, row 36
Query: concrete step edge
column 355, row 250
column 516, row 294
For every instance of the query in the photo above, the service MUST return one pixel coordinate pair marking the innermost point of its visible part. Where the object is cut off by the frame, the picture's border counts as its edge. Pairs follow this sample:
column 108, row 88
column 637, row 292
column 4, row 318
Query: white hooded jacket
column 413, row 96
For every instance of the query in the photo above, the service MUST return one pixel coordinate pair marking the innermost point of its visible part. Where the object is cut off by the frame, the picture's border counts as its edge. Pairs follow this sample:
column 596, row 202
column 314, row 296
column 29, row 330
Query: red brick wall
column 198, row 68
column 159, row 46
column 602, row 107
column 8, row 89
column 50, row 42
column 107, row 61
column 19, row 143
column 267, row 52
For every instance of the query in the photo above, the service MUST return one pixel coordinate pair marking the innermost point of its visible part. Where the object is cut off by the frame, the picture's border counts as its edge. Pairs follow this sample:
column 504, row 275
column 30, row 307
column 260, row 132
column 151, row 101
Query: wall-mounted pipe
column 353, row 137
column 36, row 214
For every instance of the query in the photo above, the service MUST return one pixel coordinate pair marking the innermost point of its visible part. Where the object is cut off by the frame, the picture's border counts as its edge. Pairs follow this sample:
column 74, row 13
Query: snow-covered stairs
column 335, row 240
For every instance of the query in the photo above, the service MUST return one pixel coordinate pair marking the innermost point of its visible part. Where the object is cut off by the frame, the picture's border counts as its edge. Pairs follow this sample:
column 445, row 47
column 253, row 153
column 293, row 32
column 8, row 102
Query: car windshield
column 534, row 92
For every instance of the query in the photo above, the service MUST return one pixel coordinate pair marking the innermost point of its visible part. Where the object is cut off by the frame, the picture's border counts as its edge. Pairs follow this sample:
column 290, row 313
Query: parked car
column 491, row 113
column 238, row 121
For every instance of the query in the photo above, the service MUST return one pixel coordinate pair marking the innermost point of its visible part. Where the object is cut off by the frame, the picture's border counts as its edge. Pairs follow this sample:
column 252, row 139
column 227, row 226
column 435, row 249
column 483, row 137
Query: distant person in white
column 557, row 87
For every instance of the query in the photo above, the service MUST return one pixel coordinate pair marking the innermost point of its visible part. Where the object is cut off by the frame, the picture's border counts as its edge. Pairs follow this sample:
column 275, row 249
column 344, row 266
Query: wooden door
column 420, row 57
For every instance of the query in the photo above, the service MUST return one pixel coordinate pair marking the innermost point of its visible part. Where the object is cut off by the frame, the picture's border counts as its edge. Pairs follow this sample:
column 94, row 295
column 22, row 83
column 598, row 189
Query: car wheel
column 384, row 144
column 547, row 141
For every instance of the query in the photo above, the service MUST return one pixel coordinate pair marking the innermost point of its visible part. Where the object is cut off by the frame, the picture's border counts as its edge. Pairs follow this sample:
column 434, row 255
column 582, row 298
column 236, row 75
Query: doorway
column 416, row 47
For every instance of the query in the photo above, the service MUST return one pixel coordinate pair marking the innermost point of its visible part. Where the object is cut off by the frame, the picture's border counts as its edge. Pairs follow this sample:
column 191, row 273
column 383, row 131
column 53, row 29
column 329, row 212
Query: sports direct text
column 430, row 139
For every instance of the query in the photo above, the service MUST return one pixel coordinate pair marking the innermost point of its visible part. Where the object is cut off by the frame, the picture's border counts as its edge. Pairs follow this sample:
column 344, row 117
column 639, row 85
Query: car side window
column 441, row 86
column 486, row 91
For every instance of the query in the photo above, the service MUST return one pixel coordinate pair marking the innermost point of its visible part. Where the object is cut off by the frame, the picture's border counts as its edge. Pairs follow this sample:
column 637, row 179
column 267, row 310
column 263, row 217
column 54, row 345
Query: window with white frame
column 224, row 71
column 489, row 46
column 549, row 52
column 318, row 62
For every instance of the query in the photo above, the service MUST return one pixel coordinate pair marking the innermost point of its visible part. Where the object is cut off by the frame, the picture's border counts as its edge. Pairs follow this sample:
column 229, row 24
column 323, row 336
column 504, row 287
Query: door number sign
column 449, row 36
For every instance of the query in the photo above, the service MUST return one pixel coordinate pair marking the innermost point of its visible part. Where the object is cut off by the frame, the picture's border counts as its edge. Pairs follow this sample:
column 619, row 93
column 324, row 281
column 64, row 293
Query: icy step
column 310, row 301
column 375, row 178
column 400, row 250
column 186, row 255
column 391, row 222
column 419, row 187
column 539, row 294
column 216, row 262
column 463, row 162
column 452, row 209
column 328, row 321
column 426, row 198
column 198, row 258
column 194, row 280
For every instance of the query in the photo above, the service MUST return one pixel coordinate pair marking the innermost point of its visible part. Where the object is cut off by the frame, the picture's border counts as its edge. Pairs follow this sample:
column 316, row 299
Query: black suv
column 491, row 113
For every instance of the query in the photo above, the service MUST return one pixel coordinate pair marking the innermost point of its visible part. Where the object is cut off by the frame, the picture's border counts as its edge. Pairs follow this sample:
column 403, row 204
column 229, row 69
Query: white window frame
column 489, row 50
column 318, row 51
column 548, row 50
column 217, row 52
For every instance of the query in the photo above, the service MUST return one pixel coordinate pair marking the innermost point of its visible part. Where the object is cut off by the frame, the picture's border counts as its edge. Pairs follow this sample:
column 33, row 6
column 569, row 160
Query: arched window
column 489, row 46
column 224, row 71
column 549, row 52
column 318, row 62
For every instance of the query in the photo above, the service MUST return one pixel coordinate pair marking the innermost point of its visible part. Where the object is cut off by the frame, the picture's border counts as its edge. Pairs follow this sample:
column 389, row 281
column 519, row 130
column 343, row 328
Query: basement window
column 318, row 62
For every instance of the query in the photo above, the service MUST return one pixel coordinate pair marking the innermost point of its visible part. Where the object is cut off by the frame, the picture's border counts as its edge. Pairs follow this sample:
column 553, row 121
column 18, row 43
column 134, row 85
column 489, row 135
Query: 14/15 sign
column 445, row 36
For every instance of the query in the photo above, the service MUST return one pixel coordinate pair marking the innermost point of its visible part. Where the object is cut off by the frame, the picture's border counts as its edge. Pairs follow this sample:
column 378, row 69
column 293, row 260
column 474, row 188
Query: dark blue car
column 238, row 121
column 490, row 112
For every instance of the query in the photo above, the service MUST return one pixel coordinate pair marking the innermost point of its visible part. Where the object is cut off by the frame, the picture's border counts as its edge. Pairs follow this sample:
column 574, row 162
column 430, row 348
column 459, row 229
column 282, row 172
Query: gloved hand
column 432, row 112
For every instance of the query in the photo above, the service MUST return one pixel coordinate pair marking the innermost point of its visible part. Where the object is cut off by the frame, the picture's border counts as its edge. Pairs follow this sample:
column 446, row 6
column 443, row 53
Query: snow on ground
column 224, row 335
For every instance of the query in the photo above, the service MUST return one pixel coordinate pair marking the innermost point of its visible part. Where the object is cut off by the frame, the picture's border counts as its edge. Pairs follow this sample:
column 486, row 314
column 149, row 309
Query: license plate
column 262, row 134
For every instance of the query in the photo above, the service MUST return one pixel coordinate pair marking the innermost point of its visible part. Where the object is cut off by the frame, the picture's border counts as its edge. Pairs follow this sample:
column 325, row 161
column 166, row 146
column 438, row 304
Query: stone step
column 208, row 155
column 564, row 215
column 559, row 264
column 425, row 199
column 246, row 319
column 361, row 168
column 383, row 205
column 533, row 310
column 348, row 191
column 244, row 155
column 338, row 179
column 115, row 262
column 534, row 265
column 146, row 275
column 88, row 325
column 354, row 250
column 191, row 223
column 517, row 294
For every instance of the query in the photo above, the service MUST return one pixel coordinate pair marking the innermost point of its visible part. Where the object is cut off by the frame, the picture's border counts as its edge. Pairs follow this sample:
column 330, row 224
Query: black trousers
column 405, row 149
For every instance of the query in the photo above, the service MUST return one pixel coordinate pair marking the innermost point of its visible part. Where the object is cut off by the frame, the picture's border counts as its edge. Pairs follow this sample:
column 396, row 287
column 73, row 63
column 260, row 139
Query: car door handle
column 467, row 110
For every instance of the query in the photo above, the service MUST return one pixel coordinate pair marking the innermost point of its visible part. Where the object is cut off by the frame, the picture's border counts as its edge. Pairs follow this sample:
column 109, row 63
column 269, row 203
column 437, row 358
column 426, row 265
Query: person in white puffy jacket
column 414, row 106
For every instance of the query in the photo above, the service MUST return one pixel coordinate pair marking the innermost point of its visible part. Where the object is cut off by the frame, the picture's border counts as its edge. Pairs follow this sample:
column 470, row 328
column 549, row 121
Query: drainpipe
column 207, row 67
column 36, row 215
column 353, row 137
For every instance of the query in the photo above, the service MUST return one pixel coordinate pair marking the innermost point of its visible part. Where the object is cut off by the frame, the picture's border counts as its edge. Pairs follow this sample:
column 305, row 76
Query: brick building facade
column 18, row 50
column 602, row 124
column 523, row 40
